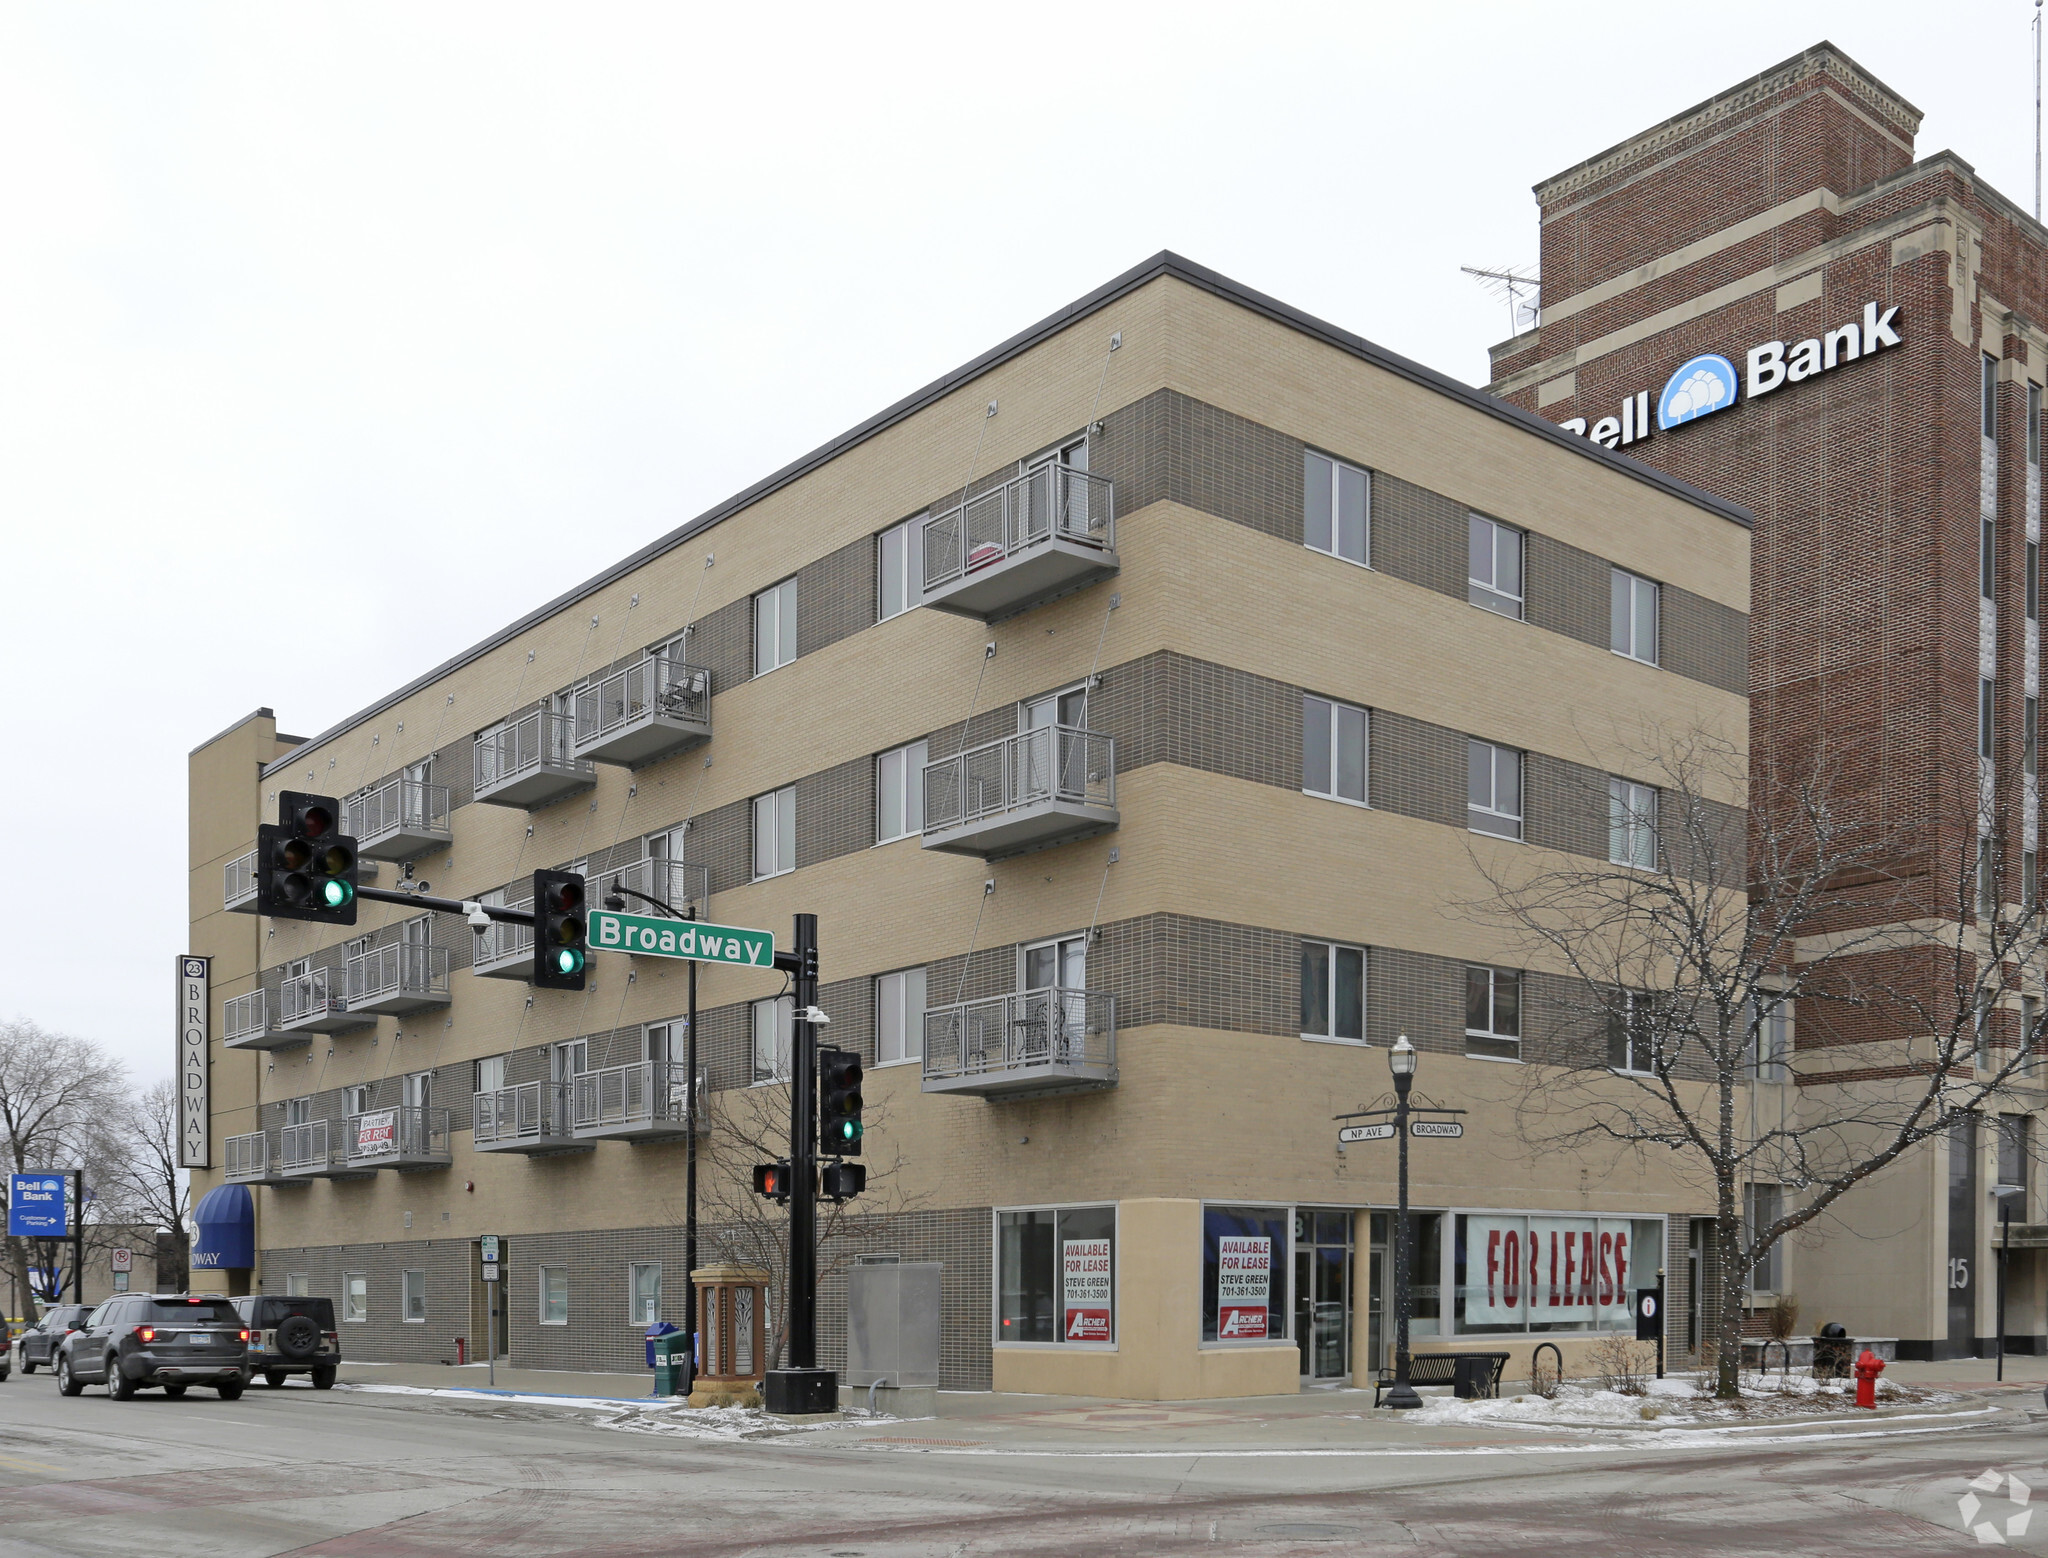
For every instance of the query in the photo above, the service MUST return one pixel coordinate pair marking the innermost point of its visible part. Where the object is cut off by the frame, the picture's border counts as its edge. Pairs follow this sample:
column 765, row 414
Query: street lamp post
column 1401, row 1061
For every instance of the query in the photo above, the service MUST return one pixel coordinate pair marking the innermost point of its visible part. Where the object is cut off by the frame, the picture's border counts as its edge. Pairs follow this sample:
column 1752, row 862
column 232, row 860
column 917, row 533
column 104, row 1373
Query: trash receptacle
column 1832, row 1351
column 1472, row 1378
column 655, row 1332
column 672, row 1363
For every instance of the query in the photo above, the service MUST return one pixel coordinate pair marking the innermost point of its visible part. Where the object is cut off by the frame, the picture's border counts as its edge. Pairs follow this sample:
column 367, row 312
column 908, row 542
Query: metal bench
column 1481, row 1377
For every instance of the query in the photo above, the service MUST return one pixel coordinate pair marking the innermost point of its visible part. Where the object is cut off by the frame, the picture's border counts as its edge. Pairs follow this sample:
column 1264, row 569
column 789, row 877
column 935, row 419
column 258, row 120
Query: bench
column 1441, row 1368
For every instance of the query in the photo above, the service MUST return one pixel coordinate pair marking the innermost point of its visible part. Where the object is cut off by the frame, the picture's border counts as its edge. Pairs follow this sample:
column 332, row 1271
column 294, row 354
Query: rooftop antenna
column 1515, row 281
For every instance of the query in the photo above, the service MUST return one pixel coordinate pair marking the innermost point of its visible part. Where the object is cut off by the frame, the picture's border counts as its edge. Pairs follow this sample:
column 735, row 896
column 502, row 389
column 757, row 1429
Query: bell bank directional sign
column 38, row 1206
column 646, row 935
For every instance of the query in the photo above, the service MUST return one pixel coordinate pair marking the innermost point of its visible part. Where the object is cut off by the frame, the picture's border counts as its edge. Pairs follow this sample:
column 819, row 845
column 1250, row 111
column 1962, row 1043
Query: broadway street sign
column 646, row 935
column 1435, row 1128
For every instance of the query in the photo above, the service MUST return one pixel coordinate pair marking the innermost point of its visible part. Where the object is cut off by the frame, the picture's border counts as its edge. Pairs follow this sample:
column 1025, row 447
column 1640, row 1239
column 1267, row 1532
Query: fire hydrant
column 1868, row 1367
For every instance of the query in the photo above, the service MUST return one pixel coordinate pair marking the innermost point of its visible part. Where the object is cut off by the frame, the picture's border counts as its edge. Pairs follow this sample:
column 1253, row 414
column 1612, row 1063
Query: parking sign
column 37, row 1207
column 124, row 1259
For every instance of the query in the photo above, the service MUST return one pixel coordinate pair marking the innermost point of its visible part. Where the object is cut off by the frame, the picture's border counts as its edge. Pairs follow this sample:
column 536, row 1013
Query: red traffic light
column 772, row 1180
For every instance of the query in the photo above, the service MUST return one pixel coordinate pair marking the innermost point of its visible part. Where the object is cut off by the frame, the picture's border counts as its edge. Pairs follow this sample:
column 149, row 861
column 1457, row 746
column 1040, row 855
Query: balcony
column 1030, row 791
column 535, row 1118
column 238, row 884
column 648, row 1101
column 650, row 710
column 250, row 1160
column 246, row 1024
column 310, row 1151
column 316, row 1003
column 505, row 951
column 404, row 977
column 681, row 884
column 528, row 762
column 412, row 1137
column 1045, row 534
column 399, row 819
column 1027, row 1045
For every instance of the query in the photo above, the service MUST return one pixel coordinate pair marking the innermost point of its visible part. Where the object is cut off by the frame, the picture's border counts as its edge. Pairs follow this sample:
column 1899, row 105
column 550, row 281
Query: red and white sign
column 1558, row 1271
column 1087, row 1288
column 124, row 1260
column 1244, row 1286
column 376, row 1133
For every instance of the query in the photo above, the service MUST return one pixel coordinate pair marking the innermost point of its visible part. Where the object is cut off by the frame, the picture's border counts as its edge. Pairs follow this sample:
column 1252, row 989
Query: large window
column 490, row 1073
column 1987, row 705
column 414, row 1282
column 1990, row 396
column 1768, row 1049
column 1514, row 1273
column 2033, row 424
column 775, row 627
column 773, row 1024
column 1632, row 617
column 554, row 1295
column 899, row 792
column 1496, row 566
column 1056, row 1275
column 643, row 1282
column 2033, row 581
column 355, row 1296
column 775, row 832
column 1244, row 1273
column 1493, row 1013
column 899, row 563
column 899, row 1016
column 1493, row 789
column 1631, row 1033
column 1336, row 509
column 1334, row 743
column 1763, row 1205
column 1332, row 992
column 1631, row 824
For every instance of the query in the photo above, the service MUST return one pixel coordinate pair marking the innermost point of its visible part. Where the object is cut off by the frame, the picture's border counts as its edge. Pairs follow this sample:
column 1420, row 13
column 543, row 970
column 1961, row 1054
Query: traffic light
column 561, row 935
column 306, row 867
column 772, row 1181
column 844, row 1181
column 839, row 1104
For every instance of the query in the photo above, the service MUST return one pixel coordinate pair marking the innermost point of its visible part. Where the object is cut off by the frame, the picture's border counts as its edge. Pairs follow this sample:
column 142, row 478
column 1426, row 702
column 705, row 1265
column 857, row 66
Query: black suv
column 290, row 1336
column 136, row 1340
column 39, row 1342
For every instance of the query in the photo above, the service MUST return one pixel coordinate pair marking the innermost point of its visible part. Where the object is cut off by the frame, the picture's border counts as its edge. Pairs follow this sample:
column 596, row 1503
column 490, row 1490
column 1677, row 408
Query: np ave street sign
column 646, row 935
column 1366, row 1133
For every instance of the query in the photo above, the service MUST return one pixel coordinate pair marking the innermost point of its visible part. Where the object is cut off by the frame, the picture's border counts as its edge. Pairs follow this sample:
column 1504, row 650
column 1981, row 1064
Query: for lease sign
column 1086, row 1289
column 1244, row 1285
column 1564, row 1271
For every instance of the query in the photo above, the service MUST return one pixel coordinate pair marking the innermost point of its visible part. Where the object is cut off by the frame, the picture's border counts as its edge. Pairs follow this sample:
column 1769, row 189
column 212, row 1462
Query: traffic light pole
column 446, row 905
column 77, row 1236
column 803, row 1388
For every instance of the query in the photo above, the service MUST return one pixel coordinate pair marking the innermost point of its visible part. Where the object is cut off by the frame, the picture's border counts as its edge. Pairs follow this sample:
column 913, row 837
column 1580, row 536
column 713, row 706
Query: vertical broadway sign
column 195, row 983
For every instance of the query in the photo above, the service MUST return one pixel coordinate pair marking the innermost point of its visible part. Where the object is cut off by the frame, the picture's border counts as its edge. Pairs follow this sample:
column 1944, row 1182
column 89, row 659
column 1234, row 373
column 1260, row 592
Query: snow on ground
column 1673, row 1401
column 654, row 1415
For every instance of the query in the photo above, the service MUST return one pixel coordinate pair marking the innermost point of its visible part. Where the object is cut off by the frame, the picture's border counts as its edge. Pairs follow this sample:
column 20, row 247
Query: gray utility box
column 892, row 1336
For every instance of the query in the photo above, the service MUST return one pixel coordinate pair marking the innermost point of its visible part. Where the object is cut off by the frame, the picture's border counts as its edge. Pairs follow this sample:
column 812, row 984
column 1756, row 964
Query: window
column 355, row 1099
column 417, row 1090
column 2033, row 581
column 298, row 1284
column 1768, row 1049
column 775, row 627
column 1056, row 1275
column 1987, row 559
column 1986, row 721
column 899, row 792
column 1987, row 878
column 1493, row 790
column 2030, row 879
column 1632, row 824
column 1244, row 1274
column 1334, row 741
column 1332, row 992
column 1980, row 1031
column 1631, row 1033
column 899, row 1016
column 643, row 1281
column 1633, row 617
column 2031, row 741
column 490, row 1073
column 1055, row 965
column 2030, row 1033
column 298, row 1111
column 1493, row 1013
column 1763, row 1205
column 554, row 1295
column 899, row 563
column 772, row 1021
column 1336, row 509
column 1990, row 396
column 1496, row 567
column 775, row 832
column 1515, row 1273
column 2033, row 424
column 414, row 1282
column 355, row 1296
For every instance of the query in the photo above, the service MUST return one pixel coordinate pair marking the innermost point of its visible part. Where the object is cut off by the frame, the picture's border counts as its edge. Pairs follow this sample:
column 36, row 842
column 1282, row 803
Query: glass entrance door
column 1322, row 1292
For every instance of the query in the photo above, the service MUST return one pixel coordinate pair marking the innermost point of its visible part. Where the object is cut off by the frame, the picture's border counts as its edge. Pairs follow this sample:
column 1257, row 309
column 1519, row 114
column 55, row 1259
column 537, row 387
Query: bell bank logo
column 1701, row 386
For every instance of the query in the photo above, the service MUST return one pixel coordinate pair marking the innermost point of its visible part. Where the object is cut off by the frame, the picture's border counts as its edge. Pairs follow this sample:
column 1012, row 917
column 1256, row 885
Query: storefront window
column 1056, row 1275
column 1244, row 1273
column 1519, row 1274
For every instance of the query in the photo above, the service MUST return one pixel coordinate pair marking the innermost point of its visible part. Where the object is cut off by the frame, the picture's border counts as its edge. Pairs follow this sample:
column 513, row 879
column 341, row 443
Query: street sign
column 490, row 1248
column 124, row 1260
column 490, row 1271
column 1366, row 1133
column 646, row 935
column 38, row 1206
column 1649, row 1314
column 1435, row 1128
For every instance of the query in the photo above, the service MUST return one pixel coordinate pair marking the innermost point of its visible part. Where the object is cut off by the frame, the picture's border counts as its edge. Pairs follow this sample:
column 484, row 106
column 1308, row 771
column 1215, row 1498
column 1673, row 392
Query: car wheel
column 119, row 1385
column 27, row 1367
column 323, row 1379
column 230, row 1390
column 174, row 1391
column 67, row 1382
column 274, row 1378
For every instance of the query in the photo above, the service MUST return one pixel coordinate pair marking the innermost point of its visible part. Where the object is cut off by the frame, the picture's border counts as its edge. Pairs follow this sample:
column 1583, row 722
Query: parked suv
column 39, row 1342
column 137, row 1340
column 290, row 1336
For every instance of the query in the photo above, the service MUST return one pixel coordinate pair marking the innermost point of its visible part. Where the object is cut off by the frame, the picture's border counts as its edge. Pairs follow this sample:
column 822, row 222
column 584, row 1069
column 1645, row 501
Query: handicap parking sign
column 38, row 1207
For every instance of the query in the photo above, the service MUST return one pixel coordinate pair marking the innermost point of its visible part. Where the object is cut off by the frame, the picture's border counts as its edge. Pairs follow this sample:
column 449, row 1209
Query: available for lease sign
column 1567, row 1271
column 1244, row 1286
column 1086, row 1289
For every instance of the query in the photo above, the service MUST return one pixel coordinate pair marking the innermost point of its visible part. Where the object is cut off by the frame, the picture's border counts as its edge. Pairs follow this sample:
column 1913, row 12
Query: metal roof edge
column 256, row 713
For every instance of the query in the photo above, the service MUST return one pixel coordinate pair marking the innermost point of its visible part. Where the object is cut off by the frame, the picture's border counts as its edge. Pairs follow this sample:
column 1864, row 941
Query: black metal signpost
column 802, row 1388
column 1650, row 1317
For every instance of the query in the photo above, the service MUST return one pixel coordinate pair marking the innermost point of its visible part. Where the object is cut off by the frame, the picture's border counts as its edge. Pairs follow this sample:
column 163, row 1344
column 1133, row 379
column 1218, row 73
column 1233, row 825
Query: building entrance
column 1322, row 1292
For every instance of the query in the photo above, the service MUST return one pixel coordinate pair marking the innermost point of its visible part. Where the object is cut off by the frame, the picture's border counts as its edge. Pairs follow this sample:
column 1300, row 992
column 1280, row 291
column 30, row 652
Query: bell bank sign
column 1702, row 385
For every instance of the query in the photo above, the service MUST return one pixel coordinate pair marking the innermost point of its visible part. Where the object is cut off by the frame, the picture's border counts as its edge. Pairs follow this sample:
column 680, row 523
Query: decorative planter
column 732, row 1314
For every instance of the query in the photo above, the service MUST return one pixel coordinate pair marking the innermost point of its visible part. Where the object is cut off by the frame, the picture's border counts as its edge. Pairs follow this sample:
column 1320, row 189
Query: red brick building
column 1772, row 297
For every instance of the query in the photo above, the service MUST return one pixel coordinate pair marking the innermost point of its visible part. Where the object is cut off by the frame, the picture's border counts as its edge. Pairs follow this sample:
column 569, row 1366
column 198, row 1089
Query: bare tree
column 140, row 1182
column 1901, row 967
column 58, row 1096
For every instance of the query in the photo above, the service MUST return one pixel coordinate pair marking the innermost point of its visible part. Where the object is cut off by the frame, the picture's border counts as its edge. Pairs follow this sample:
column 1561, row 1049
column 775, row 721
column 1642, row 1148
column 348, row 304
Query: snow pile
column 670, row 1415
column 1674, row 1401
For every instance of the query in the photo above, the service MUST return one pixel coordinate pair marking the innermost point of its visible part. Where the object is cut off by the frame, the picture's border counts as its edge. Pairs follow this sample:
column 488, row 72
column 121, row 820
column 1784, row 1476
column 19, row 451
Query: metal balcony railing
column 238, row 884
column 403, row 1136
column 404, row 976
column 246, row 1159
column 1050, row 502
column 1033, row 1041
column 504, row 951
column 1040, row 787
column 648, row 1099
column 680, row 884
column 530, row 761
column 399, row 818
column 303, row 1149
column 647, row 710
column 530, row 1116
column 317, row 1000
column 246, row 1023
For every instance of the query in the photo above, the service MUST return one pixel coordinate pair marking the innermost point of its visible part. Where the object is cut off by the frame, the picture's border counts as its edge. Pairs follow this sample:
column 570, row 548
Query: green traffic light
column 335, row 893
column 569, row 960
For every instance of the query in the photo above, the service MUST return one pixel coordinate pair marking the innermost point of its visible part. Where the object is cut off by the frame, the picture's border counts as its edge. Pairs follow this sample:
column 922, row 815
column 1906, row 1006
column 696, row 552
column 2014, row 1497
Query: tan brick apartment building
column 1199, row 697
column 1769, row 297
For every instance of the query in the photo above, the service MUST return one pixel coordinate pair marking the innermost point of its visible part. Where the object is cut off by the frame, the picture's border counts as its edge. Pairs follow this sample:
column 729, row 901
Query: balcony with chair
column 1030, row 791
column 238, row 884
column 406, row 976
column 646, row 1101
column 535, row 1118
column 246, row 1024
column 1027, row 1045
column 681, row 884
column 313, row 1151
column 401, row 1137
column 1038, row 536
column 251, row 1159
column 505, row 951
column 651, row 709
column 529, row 762
column 318, row 1003
column 398, row 819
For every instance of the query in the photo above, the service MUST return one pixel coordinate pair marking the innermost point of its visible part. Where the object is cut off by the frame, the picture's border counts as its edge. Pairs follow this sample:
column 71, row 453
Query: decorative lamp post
column 1401, row 1061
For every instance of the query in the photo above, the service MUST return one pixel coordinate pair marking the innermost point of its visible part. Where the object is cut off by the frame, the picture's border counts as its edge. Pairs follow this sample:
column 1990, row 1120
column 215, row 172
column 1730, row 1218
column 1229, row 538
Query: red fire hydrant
column 1868, row 1367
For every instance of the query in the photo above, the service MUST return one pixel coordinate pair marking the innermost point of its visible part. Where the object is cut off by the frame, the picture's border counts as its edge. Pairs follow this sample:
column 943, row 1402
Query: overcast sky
column 434, row 310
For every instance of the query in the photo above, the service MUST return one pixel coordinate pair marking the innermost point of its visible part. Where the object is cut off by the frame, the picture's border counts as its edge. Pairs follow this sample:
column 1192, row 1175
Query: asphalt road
column 358, row 1472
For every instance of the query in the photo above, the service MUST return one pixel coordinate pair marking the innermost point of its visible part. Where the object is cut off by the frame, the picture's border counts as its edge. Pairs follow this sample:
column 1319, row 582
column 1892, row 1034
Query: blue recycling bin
column 659, row 1328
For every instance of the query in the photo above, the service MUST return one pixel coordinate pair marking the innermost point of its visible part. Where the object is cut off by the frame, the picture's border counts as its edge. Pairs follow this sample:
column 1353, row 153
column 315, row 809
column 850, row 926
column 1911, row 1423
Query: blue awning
column 226, row 1216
